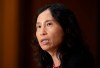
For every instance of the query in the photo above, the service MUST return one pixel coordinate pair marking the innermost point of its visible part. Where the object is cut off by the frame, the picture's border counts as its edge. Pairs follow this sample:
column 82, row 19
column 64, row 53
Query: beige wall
column 9, row 34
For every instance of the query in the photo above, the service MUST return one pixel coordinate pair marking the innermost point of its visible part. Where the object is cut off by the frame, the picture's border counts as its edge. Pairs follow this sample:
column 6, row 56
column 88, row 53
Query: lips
column 44, row 41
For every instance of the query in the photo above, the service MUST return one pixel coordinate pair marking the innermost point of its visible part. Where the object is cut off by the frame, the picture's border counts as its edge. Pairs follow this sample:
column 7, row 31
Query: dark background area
column 16, row 24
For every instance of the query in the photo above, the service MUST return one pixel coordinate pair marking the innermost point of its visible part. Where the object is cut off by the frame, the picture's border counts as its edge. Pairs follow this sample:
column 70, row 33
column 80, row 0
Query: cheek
column 56, row 36
column 37, row 35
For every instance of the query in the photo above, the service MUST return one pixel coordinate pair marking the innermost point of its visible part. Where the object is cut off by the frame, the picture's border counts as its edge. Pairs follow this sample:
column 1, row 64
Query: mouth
column 44, row 41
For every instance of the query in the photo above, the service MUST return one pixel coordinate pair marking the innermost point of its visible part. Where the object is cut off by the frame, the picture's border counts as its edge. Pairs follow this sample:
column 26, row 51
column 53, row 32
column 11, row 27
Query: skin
column 48, row 28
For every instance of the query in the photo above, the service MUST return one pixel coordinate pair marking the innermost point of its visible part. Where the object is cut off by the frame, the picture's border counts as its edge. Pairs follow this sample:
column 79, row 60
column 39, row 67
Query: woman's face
column 49, row 32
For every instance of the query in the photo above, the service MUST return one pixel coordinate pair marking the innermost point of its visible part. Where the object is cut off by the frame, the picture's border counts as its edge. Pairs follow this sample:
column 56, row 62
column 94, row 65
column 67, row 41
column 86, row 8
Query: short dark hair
column 72, row 43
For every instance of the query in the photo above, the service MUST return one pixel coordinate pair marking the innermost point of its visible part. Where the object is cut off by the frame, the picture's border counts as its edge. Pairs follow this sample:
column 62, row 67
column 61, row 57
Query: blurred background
column 16, row 18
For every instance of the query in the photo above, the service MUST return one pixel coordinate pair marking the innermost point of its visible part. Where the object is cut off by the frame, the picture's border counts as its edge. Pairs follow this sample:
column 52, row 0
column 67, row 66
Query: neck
column 56, row 59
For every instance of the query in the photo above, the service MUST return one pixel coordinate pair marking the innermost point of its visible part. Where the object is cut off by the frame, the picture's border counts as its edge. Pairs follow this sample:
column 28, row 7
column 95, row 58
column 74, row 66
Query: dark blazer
column 77, row 60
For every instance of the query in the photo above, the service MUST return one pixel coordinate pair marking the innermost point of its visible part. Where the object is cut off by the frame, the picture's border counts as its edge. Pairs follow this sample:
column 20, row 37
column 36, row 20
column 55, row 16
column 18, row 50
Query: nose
column 43, row 31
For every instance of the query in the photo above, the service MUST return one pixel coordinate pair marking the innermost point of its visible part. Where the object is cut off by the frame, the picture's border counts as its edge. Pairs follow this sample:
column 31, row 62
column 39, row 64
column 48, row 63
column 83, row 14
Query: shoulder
column 80, row 60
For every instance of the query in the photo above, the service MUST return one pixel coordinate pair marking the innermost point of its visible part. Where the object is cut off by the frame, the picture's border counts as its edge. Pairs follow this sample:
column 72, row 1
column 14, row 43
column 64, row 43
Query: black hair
column 72, row 43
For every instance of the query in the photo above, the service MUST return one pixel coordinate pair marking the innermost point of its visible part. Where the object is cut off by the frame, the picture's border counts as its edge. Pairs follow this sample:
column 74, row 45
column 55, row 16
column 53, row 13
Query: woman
column 58, row 39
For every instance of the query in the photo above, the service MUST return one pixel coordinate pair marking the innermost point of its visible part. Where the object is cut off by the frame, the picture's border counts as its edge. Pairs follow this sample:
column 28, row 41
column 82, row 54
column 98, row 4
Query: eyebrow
column 48, row 20
column 37, row 22
column 45, row 21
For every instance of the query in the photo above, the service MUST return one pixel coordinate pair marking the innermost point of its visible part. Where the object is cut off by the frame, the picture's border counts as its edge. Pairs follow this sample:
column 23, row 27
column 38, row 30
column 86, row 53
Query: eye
column 38, row 26
column 49, row 24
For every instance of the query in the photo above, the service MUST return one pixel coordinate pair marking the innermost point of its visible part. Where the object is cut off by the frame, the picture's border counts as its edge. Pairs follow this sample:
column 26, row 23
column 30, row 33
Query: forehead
column 45, row 15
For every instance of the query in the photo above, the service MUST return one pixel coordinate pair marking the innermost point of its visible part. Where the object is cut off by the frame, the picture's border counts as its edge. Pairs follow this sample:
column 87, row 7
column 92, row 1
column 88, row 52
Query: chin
column 46, row 49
